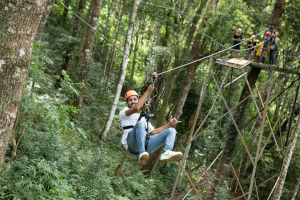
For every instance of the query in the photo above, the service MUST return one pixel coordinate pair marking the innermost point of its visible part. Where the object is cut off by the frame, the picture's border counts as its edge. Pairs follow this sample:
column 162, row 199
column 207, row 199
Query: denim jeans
column 137, row 137
column 272, row 57
column 262, row 56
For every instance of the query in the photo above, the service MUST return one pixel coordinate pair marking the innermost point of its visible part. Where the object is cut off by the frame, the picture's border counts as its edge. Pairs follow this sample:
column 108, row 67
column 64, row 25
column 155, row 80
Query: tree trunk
column 18, row 30
column 174, row 74
column 114, row 47
column 266, row 104
column 88, row 49
column 195, row 54
column 108, row 52
column 162, row 66
column 65, row 13
column 153, row 159
column 67, row 53
column 287, row 160
column 278, row 11
column 84, row 33
column 296, row 189
column 136, row 46
column 46, row 13
column 105, row 31
column 231, row 133
column 246, row 168
column 123, row 71
column 151, row 65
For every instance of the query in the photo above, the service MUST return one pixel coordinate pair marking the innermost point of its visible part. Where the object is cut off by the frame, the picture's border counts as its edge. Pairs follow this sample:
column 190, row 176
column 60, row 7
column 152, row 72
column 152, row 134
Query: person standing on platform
column 237, row 39
column 251, row 48
column 265, row 46
column 275, row 42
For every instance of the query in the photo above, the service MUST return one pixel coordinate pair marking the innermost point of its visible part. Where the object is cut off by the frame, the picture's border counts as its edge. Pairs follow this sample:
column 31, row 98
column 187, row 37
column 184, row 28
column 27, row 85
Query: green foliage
column 60, row 156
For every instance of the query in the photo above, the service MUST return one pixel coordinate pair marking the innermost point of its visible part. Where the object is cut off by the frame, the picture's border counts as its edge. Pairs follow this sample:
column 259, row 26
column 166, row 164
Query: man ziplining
column 135, row 132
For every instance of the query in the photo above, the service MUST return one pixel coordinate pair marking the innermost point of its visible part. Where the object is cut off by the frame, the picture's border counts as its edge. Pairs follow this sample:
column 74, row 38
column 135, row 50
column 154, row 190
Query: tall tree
column 151, row 65
column 66, row 10
column 114, row 39
column 123, row 70
column 46, row 13
column 162, row 65
column 88, row 49
column 136, row 46
column 177, row 62
column 114, row 46
column 106, row 27
column 67, row 53
column 18, row 30
column 173, row 76
column 153, row 159
column 296, row 189
column 231, row 133
column 287, row 160
column 84, row 33
column 195, row 54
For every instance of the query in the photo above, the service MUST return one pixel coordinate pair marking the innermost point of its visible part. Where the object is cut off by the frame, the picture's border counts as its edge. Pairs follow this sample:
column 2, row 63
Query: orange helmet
column 131, row 93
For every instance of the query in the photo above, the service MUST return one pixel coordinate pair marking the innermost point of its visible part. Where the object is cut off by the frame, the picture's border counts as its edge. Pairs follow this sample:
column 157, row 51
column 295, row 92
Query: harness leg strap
column 147, row 141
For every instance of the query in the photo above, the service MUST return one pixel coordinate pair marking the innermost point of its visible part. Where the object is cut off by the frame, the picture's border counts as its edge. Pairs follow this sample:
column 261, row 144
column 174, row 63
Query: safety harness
column 145, row 112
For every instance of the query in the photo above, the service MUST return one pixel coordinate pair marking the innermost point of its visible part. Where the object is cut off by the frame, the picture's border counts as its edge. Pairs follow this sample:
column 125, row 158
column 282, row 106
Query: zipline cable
column 206, row 56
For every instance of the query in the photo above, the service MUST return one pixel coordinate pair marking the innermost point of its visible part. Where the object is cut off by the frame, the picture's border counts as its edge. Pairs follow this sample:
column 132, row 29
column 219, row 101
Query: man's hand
column 173, row 121
column 150, row 88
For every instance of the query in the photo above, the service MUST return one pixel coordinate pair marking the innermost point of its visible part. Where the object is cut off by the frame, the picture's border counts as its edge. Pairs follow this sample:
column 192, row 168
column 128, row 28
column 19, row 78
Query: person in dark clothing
column 237, row 39
column 251, row 48
column 275, row 42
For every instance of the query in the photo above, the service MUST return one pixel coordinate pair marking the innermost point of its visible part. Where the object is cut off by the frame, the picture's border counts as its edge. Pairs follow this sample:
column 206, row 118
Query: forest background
column 63, row 80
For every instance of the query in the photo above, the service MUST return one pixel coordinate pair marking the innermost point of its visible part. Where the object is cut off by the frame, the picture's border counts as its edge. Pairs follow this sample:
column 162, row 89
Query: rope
column 206, row 56
column 204, row 173
column 273, row 100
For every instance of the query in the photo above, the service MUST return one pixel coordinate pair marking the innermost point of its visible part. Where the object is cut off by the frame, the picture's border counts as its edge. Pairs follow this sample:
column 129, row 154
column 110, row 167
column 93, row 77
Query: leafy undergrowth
column 59, row 157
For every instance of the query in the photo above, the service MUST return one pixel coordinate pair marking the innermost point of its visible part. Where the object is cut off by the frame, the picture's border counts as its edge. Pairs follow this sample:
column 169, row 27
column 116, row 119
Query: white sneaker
column 169, row 156
column 143, row 158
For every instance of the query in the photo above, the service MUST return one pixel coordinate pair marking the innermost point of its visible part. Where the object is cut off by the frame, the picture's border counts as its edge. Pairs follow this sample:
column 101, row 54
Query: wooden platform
column 237, row 63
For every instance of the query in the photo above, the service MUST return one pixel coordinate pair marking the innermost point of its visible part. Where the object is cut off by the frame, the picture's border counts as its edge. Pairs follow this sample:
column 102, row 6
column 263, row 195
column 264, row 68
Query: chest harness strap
column 147, row 115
